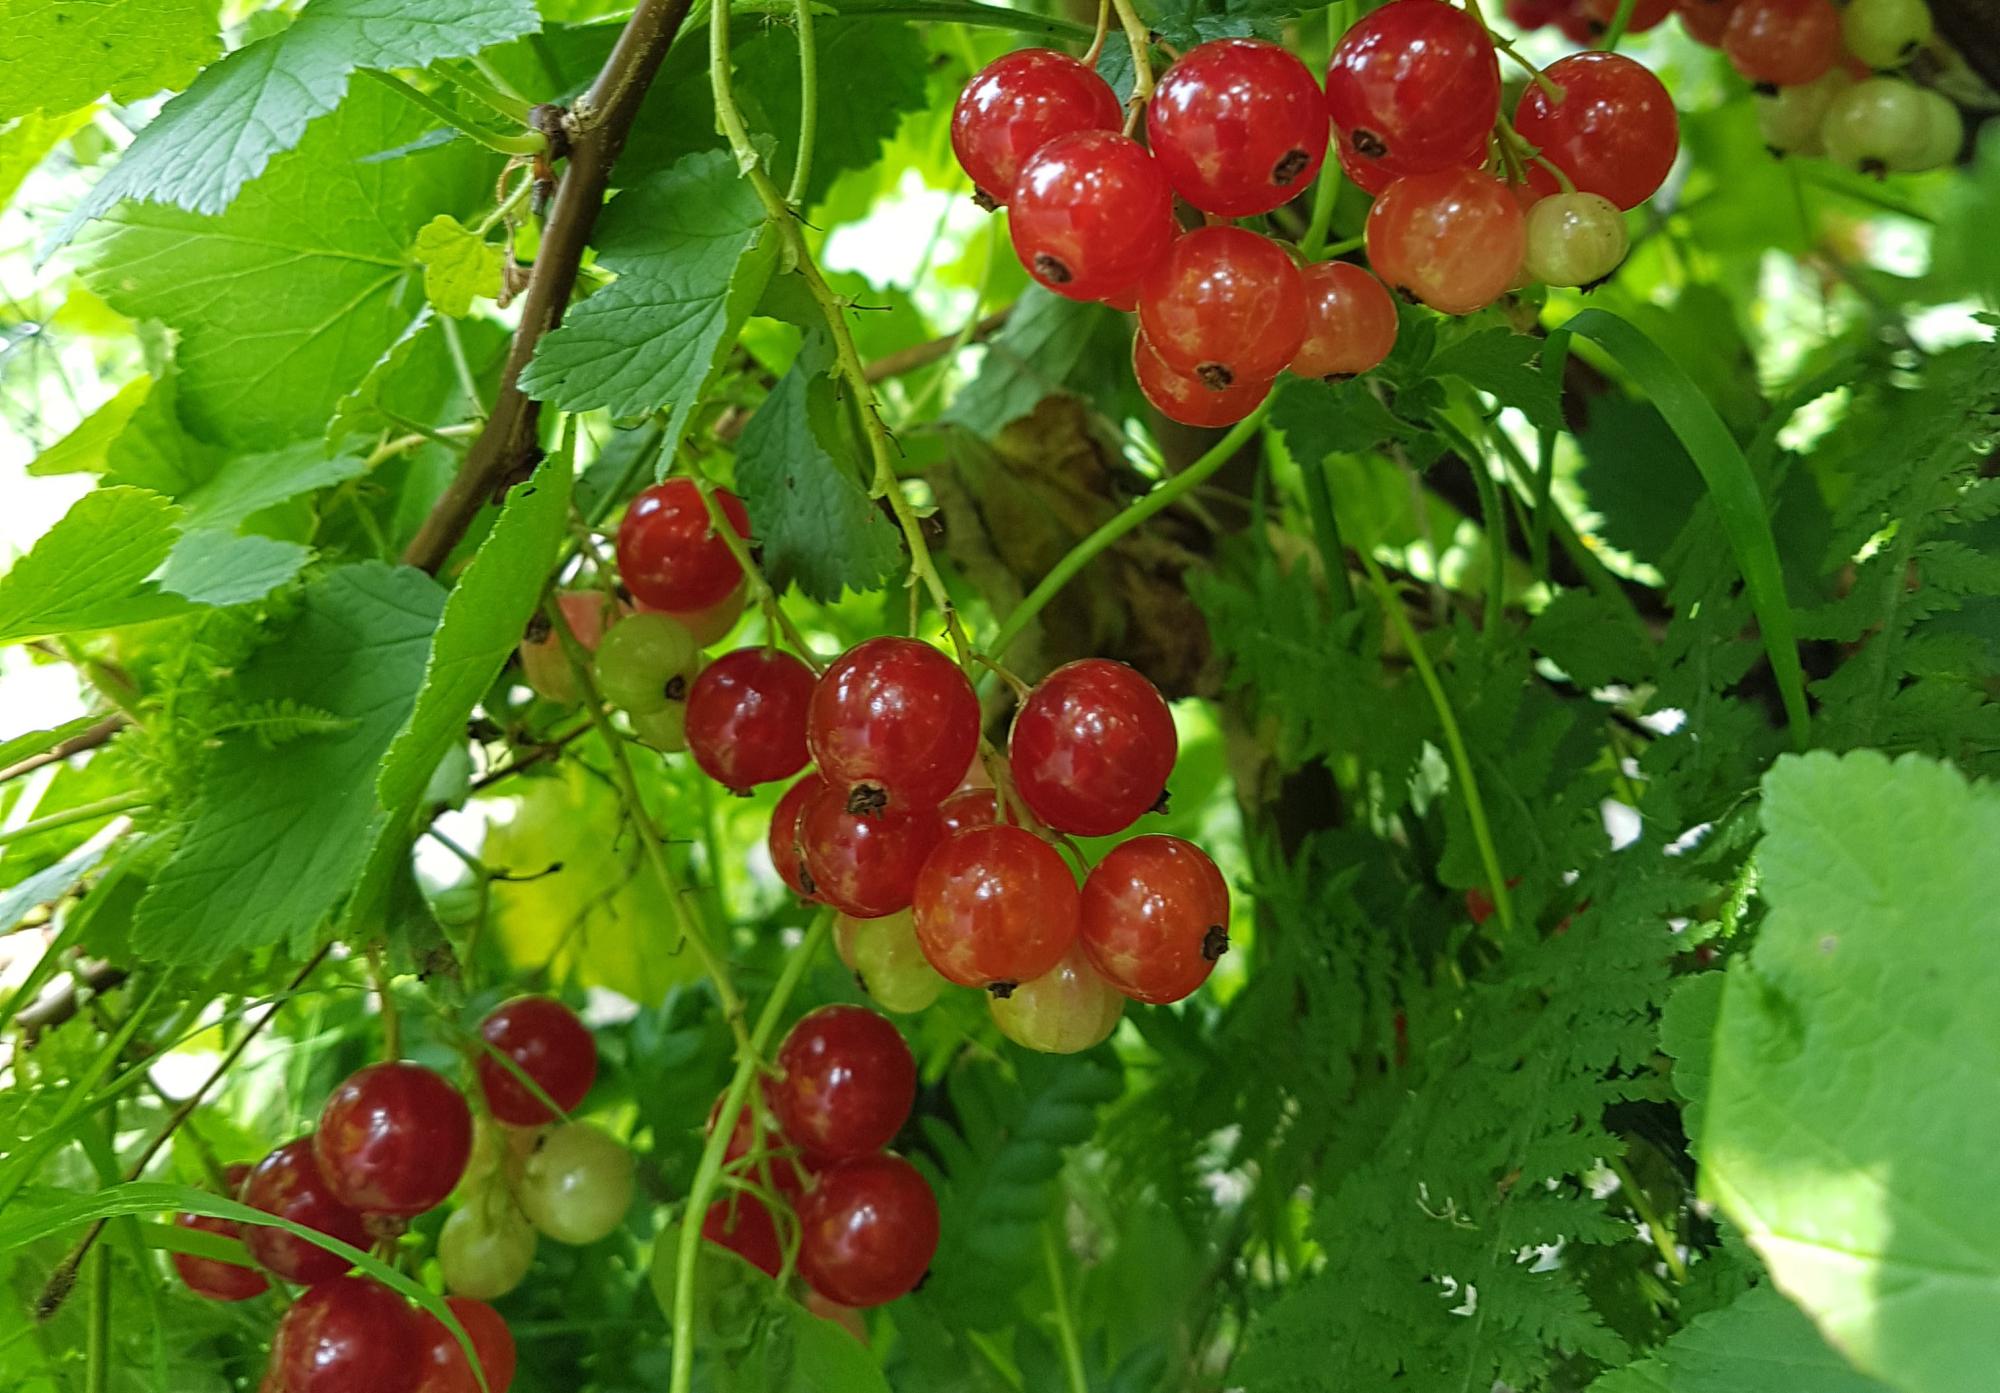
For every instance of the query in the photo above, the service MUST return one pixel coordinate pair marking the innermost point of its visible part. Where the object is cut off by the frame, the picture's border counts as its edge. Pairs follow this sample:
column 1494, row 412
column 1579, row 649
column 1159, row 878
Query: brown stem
column 59, row 1005
column 922, row 355
column 507, row 449
column 83, row 740
column 63, row 1279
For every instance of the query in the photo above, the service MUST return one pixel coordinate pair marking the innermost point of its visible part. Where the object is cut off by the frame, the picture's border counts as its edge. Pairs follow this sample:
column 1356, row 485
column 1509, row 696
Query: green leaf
column 266, row 859
column 692, row 253
column 1592, row 638
column 1759, row 1343
column 289, row 298
column 46, row 886
column 1503, row 364
column 212, row 567
column 799, row 476
column 26, row 142
column 1342, row 418
column 56, row 55
column 35, row 741
column 459, row 265
column 1687, row 1033
column 84, row 450
column 217, row 136
column 1849, row 1109
column 249, row 484
column 482, row 624
column 1731, row 486
column 1040, row 350
column 89, row 571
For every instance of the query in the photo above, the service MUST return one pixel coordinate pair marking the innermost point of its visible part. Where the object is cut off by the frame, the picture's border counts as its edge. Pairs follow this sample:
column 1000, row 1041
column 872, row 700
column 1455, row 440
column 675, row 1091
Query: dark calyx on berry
column 1366, row 142
column 1214, row 376
column 985, row 200
column 1290, row 167
column 865, row 799
column 539, row 629
column 1002, row 990
column 1215, row 942
column 1165, row 799
column 1050, row 269
column 677, row 687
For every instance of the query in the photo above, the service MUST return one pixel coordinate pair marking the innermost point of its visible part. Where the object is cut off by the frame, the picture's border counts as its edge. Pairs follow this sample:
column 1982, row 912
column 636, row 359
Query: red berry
column 712, row 623
column 744, row 1226
column 746, row 1139
column 1783, row 43
column 1017, row 104
column 1530, row 15
column 1350, row 321
column 668, row 553
column 394, row 1139
column 848, row 1082
column 1227, row 306
column 995, row 906
column 547, row 1043
column 444, row 1365
column 788, row 857
column 1239, row 126
column 288, row 1183
column 219, row 1281
column 1373, row 177
column 746, row 717
column 1183, row 397
column 1413, row 86
column 1613, row 133
column 1092, row 748
column 544, row 661
column 971, row 807
column 1646, row 14
column 893, row 723
column 1155, row 918
column 865, row 864
column 868, row 1230
column 349, row 1335
column 1452, row 239
column 1704, row 20
column 1091, row 214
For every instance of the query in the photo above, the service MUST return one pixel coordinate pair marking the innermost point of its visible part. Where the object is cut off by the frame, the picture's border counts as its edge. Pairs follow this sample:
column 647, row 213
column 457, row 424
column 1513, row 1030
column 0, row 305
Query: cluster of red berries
column 393, row 1141
column 866, row 1220
column 1238, row 127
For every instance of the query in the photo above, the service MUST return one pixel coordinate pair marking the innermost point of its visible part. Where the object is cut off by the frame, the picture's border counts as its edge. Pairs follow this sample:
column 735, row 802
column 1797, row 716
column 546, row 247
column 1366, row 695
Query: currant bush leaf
column 1757, row 1343
column 90, row 570
column 1045, row 343
column 210, row 566
column 459, row 265
column 58, row 55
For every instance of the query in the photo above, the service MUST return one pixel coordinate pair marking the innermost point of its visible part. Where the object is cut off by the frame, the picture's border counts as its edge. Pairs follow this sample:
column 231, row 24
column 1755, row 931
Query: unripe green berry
column 1885, row 33
column 645, row 663
column 890, row 963
column 1876, row 126
column 1944, row 134
column 1790, row 118
column 1574, row 239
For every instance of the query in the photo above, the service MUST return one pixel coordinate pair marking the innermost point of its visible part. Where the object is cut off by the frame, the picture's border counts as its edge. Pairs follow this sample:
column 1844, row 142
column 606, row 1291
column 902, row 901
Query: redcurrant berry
column 995, row 907
column 1373, row 177
column 1092, row 748
column 1239, row 125
column 744, row 1226
column 349, row 1335
column 1530, row 15
column 1155, row 918
column 288, row 1183
column 1886, row 33
column 1574, row 239
column 1183, row 397
column 1066, row 1010
column 893, row 723
column 847, row 1083
column 394, row 1139
column 1646, row 14
column 1091, row 214
column 645, row 663
column 544, row 662
column 1017, row 104
column 1350, row 322
column 865, row 864
column 888, row 962
column 545, row 1041
column 1704, row 20
column 868, row 1230
column 788, row 856
column 1452, row 239
column 1782, row 43
column 752, row 1149
column 1944, row 140
column 746, row 717
column 1790, row 119
column 970, row 807
column 668, row 553
column 1227, row 306
column 486, row 1247
column 1414, row 85
column 444, row 1365
column 711, row 624
column 216, row 1280
column 576, row 1185
column 1613, row 133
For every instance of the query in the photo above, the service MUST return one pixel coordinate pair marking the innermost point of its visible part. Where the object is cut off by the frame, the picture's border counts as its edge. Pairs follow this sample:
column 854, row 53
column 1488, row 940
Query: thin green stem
column 708, row 1171
column 1327, row 191
column 1493, row 518
column 1662, row 1234
column 753, row 575
column 1140, row 41
column 1096, row 49
column 485, row 90
column 808, row 103
column 1081, row 555
column 392, row 1023
column 83, row 812
column 1461, row 761
column 1326, row 532
column 97, row 1339
column 1072, row 1353
column 527, row 143
column 1555, row 358
column 1619, row 23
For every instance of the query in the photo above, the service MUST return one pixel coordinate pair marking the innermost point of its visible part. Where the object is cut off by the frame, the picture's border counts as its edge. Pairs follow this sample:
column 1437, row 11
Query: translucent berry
column 1227, row 305
column 1704, row 20
column 544, row 661
column 788, row 856
column 349, row 1335
column 865, row 864
column 1944, row 132
column 1183, row 397
column 664, row 730
column 1876, row 126
column 443, row 1362
column 543, row 1039
column 576, row 1185
column 1646, row 14
column 970, row 807
column 1413, row 86
column 1017, row 104
column 394, row 1139
column 742, row 1224
column 1155, row 918
column 1064, row 1011
column 1452, row 239
column 1092, row 748
column 889, row 964
column 1613, row 133
column 894, row 723
column 868, row 1230
column 1091, row 214
column 995, row 907
column 1885, row 33
column 1350, row 322
column 486, row 1247
column 1790, row 118
column 288, row 1183
column 1782, row 43
column 715, row 621
column 746, row 717
column 846, row 1082
column 646, row 663
column 1373, row 177
column 210, row 1277
column 1239, row 125
column 668, row 554
column 1574, row 239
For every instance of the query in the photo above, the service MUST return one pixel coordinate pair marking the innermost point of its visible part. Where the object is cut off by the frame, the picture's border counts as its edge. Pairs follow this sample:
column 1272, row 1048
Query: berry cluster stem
column 1140, row 38
column 1096, row 49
